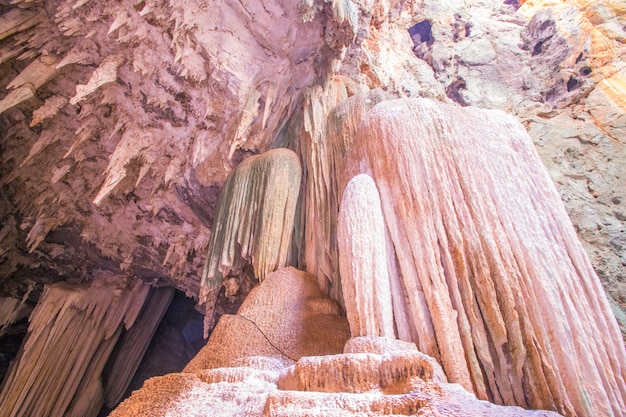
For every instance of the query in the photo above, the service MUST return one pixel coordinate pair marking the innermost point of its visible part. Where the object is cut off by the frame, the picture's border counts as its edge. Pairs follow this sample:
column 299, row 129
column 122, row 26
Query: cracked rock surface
column 370, row 376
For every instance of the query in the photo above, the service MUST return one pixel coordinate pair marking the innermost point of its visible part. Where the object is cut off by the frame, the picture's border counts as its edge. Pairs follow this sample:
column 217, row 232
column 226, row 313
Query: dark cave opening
column 515, row 3
column 422, row 37
column 572, row 83
column 454, row 91
column 177, row 339
column 10, row 343
column 421, row 32
column 538, row 48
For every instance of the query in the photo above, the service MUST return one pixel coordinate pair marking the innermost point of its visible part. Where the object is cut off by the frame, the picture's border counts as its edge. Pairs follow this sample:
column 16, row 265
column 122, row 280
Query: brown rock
column 286, row 315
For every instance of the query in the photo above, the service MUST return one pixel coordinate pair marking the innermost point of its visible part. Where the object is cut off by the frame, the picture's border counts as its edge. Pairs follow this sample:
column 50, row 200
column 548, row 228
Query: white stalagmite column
column 363, row 260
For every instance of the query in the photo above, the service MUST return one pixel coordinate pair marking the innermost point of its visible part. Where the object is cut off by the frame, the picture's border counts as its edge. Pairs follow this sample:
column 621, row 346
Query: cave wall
column 133, row 114
column 119, row 123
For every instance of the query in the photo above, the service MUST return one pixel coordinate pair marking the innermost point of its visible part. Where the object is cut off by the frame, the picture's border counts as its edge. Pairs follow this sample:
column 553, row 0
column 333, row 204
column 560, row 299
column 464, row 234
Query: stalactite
column 128, row 353
column 131, row 147
column 322, row 135
column 13, row 310
column 18, row 20
column 24, row 86
column 16, row 96
column 104, row 74
column 72, row 332
column 309, row 137
column 49, row 109
column 168, row 79
column 254, row 218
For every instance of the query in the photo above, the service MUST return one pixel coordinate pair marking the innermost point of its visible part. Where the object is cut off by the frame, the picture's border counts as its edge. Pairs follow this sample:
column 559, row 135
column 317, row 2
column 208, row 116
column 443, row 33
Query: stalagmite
column 499, row 287
column 363, row 260
column 254, row 218
column 247, row 367
column 73, row 331
column 286, row 316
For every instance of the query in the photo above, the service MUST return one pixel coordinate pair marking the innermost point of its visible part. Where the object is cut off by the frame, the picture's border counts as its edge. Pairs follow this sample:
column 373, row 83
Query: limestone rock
column 154, row 140
column 129, row 351
column 79, row 328
column 254, row 219
column 188, row 395
column 321, row 135
column 495, row 279
column 363, row 260
column 238, row 373
column 586, row 165
column 139, row 112
column 261, row 390
column 378, row 345
column 358, row 372
column 308, row 136
column 286, row 316
column 120, row 122
column 11, row 311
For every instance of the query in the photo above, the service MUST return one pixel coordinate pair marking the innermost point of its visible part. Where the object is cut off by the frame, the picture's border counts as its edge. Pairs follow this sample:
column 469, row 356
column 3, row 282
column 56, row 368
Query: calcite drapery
column 321, row 135
column 73, row 331
column 497, row 286
column 129, row 351
column 254, row 218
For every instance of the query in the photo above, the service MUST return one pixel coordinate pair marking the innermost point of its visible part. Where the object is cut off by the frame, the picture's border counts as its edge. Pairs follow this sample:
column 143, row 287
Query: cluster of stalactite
column 83, row 346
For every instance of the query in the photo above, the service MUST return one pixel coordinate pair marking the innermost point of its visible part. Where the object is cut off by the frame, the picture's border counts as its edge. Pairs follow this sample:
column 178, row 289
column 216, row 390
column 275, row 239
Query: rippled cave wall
column 120, row 122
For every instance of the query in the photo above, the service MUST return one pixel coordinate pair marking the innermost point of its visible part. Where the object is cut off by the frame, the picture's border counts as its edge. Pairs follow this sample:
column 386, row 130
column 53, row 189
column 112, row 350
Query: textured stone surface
column 361, row 237
column 121, row 121
column 552, row 58
column 253, row 223
column 493, row 277
column 79, row 328
column 137, row 113
column 152, row 140
column 396, row 380
column 286, row 315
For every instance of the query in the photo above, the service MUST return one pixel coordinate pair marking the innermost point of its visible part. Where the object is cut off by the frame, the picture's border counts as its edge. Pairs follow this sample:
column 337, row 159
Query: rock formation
column 289, row 317
column 490, row 270
column 72, row 334
column 363, row 260
column 254, row 220
column 131, row 134
column 368, row 376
